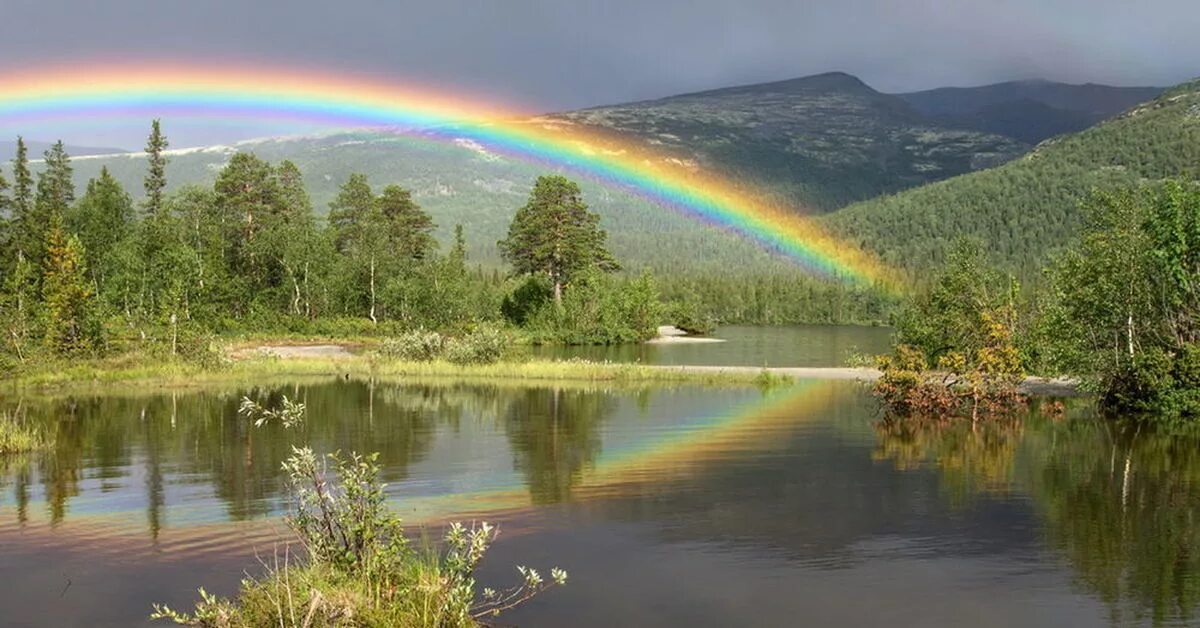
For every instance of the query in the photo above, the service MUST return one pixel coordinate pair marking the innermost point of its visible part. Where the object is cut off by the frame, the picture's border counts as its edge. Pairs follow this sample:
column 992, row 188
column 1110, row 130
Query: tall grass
column 18, row 434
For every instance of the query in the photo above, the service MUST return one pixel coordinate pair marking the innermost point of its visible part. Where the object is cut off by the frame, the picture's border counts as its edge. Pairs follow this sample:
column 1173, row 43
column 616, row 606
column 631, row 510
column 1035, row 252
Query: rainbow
column 123, row 90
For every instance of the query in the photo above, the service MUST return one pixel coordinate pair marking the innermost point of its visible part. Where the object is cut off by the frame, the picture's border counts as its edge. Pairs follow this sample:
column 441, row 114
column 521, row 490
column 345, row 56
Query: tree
column 71, row 325
column 354, row 201
column 555, row 234
column 293, row 240
column 5, row 210
column 156, row 176
column 410, row 228
column 246, row 195
column 22, row 197
column 1125, row 308
column 102, row 219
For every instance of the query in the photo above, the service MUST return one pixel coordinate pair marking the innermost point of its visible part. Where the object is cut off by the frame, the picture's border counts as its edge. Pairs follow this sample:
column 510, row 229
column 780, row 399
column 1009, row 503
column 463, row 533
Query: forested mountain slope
column 1023, row 210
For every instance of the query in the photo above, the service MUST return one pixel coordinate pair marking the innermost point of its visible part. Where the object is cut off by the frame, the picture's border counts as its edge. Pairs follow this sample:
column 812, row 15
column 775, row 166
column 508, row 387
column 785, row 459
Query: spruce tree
column 351, row 207
column 555, row 234
column 6, row 225
column 156, row 176
column 55, row 194
column 71, row 325
column 410, row 229
column 24, row 237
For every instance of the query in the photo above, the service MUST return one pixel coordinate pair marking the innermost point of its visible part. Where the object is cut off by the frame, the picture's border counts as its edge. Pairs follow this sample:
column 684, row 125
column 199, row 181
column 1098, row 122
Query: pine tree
column 156, row 176
column 23, row 236
column 71, row 325
column 55, row 194
column 555, row 234
column 352, row 205
column 410, row 229
column 6, row 225
column 22, row 198
column 458, row 253
column 247, row 195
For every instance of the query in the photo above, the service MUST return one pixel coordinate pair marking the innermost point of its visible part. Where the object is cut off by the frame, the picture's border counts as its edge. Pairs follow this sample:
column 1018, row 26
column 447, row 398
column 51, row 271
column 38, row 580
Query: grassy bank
column 18, row 436
column 165, row 373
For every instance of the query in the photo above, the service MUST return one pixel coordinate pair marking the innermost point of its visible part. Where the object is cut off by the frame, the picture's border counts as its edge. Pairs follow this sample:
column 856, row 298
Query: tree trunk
column 372, row 314
column 558, row 293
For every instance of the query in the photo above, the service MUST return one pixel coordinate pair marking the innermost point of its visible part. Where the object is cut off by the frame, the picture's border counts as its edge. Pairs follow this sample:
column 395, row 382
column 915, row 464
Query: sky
column 549, row 55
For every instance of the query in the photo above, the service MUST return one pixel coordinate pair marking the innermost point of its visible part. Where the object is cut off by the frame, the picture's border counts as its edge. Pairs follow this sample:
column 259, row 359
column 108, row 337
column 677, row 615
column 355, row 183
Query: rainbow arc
column 145, row 91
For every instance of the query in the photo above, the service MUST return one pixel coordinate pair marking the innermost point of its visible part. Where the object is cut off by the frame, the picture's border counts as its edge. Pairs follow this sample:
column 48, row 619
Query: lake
column 676, row 506
column 746, row 345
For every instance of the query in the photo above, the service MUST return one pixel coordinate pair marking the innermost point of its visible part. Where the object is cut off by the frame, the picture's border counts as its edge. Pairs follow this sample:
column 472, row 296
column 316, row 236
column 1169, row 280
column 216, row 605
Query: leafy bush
column 486, row 344
column 361, row 570
column 599, row 310
column 417, row 345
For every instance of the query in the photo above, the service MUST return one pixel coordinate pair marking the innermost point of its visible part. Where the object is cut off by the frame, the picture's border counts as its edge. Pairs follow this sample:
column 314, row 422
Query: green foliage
column 956, row 352
column 156, row 174
column 72, row 326
column 1125, row 306
column 1029, row 208
column 952, row 313
column 360, row 568
column 600, row 310
column 19, row 435
column 417, row 345
column 554, row 234
column 486, row 344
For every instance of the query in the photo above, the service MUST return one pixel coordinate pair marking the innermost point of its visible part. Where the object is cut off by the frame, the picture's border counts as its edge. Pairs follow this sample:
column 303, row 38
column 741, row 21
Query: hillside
column 456, row 183
column 1029, row 111
column 1023, row 210
column 821, row 141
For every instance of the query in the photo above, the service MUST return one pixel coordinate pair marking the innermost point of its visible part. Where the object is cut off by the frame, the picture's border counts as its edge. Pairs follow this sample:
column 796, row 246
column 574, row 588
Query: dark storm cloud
column 561, row 54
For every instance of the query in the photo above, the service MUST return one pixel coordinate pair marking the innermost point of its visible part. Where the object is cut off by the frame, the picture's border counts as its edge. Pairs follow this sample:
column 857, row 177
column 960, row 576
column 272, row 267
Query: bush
column 486, row 344
column 417, row 346
column 361, row 569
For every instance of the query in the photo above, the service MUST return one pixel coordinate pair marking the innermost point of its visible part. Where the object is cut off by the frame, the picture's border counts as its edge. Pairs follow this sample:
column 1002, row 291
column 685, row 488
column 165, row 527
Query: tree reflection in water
column 1120, row 501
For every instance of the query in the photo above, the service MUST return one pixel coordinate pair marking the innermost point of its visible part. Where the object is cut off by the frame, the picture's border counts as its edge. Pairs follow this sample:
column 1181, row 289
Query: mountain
column 818, row 142
column 1029, row 111
column 36, row 149
column 1025, row 209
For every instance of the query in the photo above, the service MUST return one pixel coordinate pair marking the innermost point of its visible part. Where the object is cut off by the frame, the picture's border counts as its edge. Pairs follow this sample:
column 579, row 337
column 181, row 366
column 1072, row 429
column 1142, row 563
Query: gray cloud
column 551, row 55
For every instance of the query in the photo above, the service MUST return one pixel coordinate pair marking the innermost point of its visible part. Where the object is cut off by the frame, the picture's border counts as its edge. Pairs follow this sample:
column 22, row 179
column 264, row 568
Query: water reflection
column 1119, row 501
column 554, row 435
column 737, row 488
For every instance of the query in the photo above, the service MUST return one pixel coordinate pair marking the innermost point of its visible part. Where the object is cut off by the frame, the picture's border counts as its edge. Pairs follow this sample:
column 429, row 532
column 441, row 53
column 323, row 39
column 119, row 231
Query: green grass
column 17, row 435
column 153, row 372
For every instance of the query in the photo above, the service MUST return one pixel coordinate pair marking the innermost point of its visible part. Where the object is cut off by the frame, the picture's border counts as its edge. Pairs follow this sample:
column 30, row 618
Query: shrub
column 361, row 569
column 417, row 346
column 486, row 344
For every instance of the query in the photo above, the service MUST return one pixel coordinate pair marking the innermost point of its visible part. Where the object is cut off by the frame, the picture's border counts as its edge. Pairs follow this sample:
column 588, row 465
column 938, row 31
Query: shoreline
column 330, row 359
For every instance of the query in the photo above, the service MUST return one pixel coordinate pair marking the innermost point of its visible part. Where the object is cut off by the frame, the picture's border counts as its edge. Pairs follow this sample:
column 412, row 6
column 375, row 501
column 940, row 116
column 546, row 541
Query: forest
column 1118, row 309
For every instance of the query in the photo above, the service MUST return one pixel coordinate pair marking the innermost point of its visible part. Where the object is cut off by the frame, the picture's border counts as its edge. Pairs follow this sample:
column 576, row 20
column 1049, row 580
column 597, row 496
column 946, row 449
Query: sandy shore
column 671, row 335
column 293, row 351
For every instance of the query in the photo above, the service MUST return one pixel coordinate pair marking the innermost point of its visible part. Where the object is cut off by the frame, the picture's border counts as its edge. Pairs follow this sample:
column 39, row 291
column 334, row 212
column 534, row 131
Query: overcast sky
column 559, row 54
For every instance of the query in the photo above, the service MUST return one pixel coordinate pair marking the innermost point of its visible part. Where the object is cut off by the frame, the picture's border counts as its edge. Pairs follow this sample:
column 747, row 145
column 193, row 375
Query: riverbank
column 248, row 363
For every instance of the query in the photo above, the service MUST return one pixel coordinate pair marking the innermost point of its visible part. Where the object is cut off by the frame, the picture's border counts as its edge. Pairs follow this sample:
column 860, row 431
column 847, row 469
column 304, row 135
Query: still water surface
column 745, row 345
column 670, row 507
